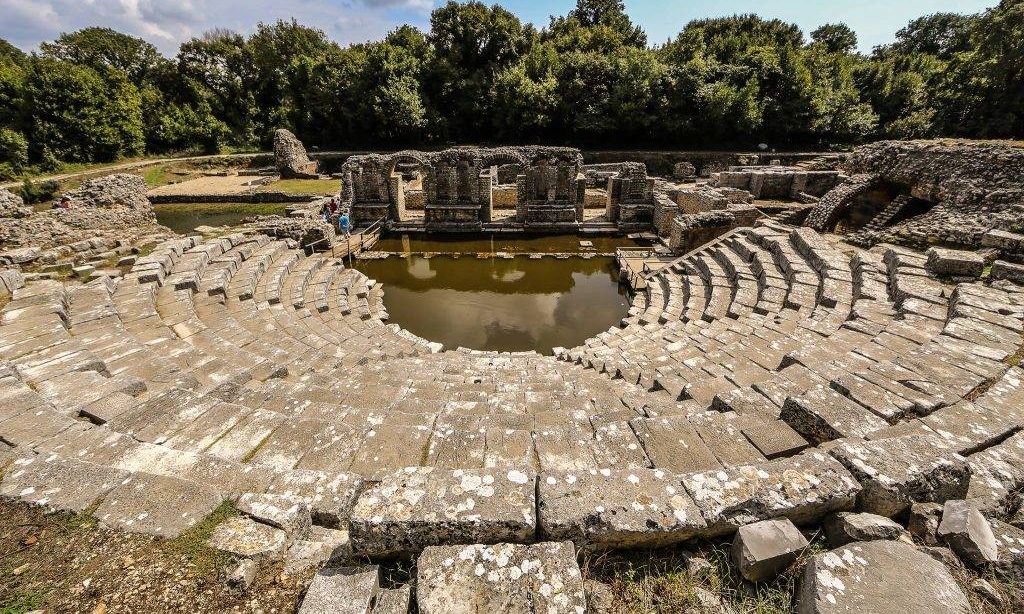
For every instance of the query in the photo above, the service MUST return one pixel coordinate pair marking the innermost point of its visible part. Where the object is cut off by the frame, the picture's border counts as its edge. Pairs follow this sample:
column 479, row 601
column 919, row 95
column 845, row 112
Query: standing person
column 325, row 213
column 334, row 206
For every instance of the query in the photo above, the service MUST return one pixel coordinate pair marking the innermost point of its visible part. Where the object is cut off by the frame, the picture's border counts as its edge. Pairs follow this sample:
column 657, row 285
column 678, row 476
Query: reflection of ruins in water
column 506, row 304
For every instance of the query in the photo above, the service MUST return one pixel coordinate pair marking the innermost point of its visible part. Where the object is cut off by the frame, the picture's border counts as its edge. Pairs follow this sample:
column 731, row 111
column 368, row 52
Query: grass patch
column 23, row 601
column 155, row 176
column 662, row 581
column 304, row 186
column 192, row 543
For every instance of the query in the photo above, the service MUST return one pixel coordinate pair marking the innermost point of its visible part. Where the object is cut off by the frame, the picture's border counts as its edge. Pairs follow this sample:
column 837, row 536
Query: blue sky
column 167, row 23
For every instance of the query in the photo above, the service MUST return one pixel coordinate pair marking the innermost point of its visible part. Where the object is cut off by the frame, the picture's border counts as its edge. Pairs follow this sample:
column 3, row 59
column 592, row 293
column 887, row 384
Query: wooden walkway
column 636, row 264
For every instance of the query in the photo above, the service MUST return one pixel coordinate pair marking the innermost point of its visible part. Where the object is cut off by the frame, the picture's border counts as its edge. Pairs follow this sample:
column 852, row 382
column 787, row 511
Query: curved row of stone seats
column 254, row 258
column 711, row 302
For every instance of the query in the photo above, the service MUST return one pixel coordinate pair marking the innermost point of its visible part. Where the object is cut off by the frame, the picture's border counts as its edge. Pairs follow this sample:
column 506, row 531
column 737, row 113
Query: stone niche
column 551, row 191
column 459, row 185
column 631, row 200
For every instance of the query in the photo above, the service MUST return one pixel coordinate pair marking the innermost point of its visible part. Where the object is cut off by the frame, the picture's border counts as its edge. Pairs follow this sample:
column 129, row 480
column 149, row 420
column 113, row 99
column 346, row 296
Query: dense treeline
column 481, row 75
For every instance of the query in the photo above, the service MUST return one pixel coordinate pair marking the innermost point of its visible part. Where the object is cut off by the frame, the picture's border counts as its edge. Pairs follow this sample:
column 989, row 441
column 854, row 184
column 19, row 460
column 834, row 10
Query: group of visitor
column 329, row 211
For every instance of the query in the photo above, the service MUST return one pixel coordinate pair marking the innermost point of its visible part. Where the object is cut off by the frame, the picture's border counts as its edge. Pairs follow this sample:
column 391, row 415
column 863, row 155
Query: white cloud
column 167, row 23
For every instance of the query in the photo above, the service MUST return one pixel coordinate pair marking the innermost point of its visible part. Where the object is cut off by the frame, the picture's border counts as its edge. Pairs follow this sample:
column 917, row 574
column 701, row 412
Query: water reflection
column 184, row 218
column 501, row 304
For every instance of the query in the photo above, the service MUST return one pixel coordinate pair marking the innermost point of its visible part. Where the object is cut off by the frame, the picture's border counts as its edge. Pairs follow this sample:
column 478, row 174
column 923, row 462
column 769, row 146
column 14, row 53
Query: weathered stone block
column 953, row 262
column 633, row 508
column 846, row 527
column 968, row 533
column 803, row 488
column 763, row 549
column 344, row 590
column 500, row 578
column 899, row 471
column 1008, row 270
column 418, row 507
column 878, row 577
column 247, row 538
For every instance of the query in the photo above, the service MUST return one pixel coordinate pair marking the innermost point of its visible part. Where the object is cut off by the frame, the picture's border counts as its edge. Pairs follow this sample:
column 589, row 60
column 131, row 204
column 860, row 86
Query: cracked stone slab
column 156, row 505
column 803, row 488
column 286, row 512
column 58, row 485
column 329, row 496
column 633, row 508
column 511, row 578
column 344, row 590
column 879, row 577
column 418, row 507
column 899, row 471
column 246, row 538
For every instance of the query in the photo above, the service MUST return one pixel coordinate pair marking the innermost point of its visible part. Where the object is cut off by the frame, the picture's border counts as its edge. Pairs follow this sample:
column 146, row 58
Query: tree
column 100, row 48
column 836, row 38
column 472, row 43
column 80, row 114
column 609, row 14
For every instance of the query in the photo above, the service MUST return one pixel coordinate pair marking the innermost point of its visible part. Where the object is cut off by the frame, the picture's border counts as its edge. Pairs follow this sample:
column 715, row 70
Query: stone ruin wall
column 458, row 181
column 105, row 214
column 971, row 187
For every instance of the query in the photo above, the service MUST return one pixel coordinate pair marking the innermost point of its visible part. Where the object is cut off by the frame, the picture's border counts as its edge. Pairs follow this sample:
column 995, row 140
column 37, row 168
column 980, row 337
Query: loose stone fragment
column 423, row 506
column 247, row 538
column 968, row 533
column 393, row 601
column 878, row 577
column 344, row 590
column 633, row 508
column 955, row 262
column 500, row 578
column 899, row 471
column 763, row 549
column 846, row 527
column 241, row 577
column 924, row 522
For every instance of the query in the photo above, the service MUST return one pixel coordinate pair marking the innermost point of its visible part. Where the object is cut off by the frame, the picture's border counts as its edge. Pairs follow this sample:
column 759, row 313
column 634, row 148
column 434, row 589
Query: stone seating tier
column 769, row 374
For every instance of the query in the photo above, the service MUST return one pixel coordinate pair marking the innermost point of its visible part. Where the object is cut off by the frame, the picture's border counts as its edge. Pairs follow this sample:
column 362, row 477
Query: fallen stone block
column 764, row 549
column 58, row 485
column 803, row 488
column 954, row 262
column 248, row 539
column 968, row 533
column 393, row 601
column 846, row 527
column 878, row 577
column 635, row 508
column 500, row 578
column 1008, row 271
column 418, row 507
column 156, row 505
column 344, row 590
column 899, row 471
